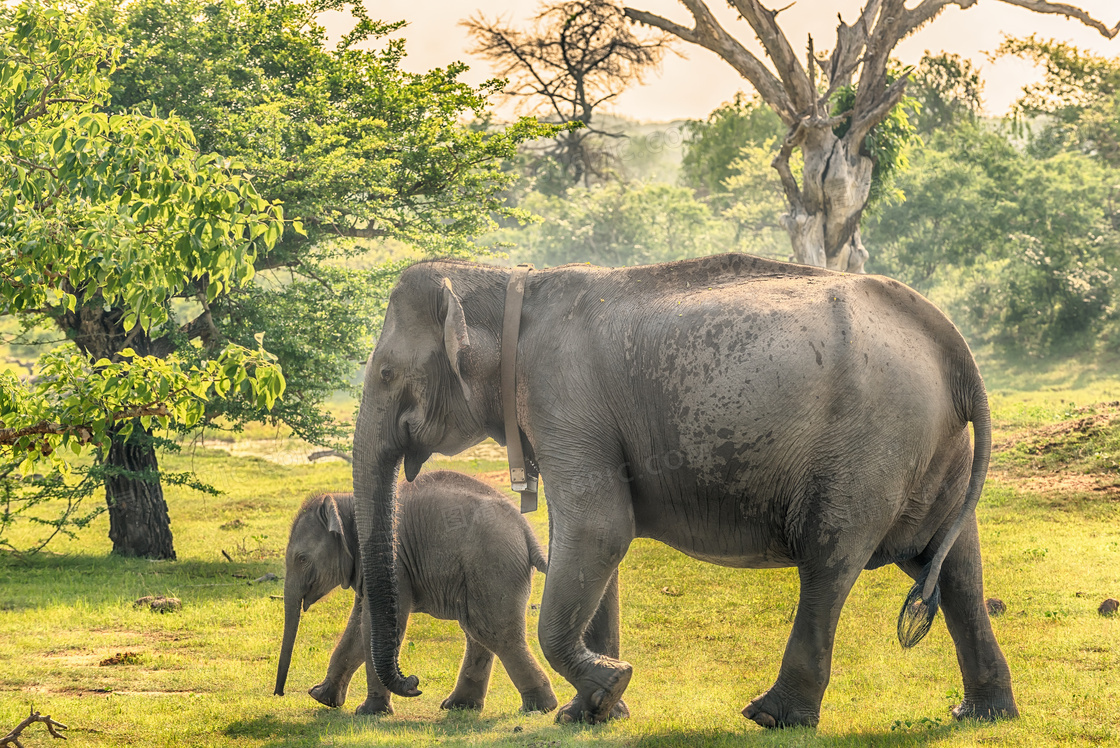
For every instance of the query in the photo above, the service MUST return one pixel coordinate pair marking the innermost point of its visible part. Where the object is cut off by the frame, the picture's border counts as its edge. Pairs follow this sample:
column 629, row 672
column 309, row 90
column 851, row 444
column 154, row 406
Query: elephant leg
column 348, row 656
column 378, row 698
column 474, row 678
column 583, row 564
column 795, row 698
column 987, row 678
column 523, row 669
column 603, row 635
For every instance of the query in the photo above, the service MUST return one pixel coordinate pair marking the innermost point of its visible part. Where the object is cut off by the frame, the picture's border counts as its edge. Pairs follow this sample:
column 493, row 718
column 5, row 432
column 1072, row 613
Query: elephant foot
column 538, row 700
column 601, row 705
column 374, row 706
column 328, row 694
column 768, row 710
column 455, row 701
column 987, row 710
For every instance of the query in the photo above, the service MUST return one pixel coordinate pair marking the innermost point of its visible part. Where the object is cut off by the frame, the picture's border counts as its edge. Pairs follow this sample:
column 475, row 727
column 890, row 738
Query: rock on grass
column 996, row 607
column 159, row 604
column 1109, row 607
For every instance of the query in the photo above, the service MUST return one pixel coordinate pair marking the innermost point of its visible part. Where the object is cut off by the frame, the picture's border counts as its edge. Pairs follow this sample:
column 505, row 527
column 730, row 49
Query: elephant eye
column 386, row 374
column 301, row 559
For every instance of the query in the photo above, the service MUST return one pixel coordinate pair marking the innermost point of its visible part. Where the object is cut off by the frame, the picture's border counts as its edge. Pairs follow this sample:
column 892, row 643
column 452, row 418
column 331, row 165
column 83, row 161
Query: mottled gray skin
column 747, row 412
column 465, row 554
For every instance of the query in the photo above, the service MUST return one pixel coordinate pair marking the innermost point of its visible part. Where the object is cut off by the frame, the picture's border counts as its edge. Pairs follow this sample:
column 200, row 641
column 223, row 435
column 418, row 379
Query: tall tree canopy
column 837, row 144
column 713, row 144
column 104, row 220
column 1078, row 98
column 353, row 146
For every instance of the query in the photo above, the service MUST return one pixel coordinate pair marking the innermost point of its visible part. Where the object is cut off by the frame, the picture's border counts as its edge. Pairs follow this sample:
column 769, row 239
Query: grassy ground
column 703, row 639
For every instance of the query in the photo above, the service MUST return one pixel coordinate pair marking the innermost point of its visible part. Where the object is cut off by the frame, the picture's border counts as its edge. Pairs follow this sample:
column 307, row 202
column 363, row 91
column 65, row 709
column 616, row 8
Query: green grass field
column 703, row 639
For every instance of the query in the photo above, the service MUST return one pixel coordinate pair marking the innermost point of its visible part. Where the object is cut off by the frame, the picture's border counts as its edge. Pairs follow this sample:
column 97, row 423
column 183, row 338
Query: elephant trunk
column 375, row 479
column 293, row 600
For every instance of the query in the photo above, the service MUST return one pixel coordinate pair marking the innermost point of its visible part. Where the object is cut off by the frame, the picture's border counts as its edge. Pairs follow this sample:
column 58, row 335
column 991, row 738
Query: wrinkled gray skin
column 747, row 412
column 465, row 554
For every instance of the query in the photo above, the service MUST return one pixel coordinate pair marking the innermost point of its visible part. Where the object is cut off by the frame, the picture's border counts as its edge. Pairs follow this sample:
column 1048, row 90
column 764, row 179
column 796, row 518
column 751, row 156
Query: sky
column 695, row 83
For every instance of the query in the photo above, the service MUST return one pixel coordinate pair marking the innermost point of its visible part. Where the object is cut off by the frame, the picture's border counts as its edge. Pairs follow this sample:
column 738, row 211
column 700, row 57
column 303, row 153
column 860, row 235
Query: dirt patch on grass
column 1079, row 455
column 121, row 658
column 78, row 691
column 1107, row 486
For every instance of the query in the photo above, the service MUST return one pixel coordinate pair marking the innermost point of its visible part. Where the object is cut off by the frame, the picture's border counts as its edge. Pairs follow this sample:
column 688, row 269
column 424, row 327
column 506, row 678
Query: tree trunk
column 138, row 520
column 825, row 209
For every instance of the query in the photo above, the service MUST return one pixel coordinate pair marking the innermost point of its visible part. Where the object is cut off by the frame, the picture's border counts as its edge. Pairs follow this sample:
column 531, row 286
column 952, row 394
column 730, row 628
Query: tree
column 948, row 91
column 1025, row 249
column 1079, row 97
column 104, row 220
column 354, row 147
column 712, row 145
column 618, row 224
column 579, row 55
column 826, row 205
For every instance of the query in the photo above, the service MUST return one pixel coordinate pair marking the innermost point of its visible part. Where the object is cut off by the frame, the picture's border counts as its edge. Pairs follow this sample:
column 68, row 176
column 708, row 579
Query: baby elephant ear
column 336, row 527
column 455, row 338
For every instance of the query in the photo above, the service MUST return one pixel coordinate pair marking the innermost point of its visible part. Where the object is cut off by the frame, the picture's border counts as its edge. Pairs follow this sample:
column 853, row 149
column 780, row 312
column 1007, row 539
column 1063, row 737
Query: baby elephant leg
column 347, row 657
column 377, row 696
column 527, row 675
column 474, row 678
column 503, row 633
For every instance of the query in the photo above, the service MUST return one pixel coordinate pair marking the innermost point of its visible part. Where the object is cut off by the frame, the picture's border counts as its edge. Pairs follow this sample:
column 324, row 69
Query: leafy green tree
column 959, row 205
column 356, row 149
column 754, row 203
column 104, row 220
column 1078, row 98
column 619, row 224
column 713, row 145
column 1029, row 245
column 948, row 91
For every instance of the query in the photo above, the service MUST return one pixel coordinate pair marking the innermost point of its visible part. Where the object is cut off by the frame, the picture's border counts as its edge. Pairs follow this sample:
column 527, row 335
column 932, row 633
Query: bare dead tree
column 12, row 738
column 577, row 55
column 826, row 205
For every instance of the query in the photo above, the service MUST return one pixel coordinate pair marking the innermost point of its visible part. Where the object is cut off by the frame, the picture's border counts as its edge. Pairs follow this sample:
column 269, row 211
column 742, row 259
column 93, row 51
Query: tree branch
column 1061, row 9
column 8, row 437
column 781, row 165
column 709, row 34
column 794, row 77
column 868, row 119
column 850, row 44
column 323, row 453
column 12, row 738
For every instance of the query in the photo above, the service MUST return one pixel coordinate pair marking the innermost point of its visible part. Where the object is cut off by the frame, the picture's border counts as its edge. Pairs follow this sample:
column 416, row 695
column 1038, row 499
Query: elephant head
column 321, row 555
column 423, row 393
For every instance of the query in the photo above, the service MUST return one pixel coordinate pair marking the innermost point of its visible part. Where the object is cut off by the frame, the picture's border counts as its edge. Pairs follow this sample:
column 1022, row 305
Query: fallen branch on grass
column 328, row 453
column 12, row 738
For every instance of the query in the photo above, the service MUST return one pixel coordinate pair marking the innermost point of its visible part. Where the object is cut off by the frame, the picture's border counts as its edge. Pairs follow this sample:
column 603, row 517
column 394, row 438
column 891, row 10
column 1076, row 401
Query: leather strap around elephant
column 521, row 480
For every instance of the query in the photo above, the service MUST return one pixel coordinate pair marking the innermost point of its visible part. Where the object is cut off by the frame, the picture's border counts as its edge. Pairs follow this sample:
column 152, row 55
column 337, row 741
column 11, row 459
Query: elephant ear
column 455, row 338
column 335, row 526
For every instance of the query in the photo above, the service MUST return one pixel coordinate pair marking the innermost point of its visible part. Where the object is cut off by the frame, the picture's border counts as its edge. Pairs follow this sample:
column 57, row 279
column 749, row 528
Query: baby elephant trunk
column 292, row 602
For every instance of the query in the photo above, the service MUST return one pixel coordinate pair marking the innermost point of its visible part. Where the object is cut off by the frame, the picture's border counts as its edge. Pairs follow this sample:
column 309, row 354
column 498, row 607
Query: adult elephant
column 747, row 412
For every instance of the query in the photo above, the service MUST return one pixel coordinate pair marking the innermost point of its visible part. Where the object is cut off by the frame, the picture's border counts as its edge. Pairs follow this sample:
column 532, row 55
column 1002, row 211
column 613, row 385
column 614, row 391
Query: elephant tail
column 920, row 608
column 536, row 555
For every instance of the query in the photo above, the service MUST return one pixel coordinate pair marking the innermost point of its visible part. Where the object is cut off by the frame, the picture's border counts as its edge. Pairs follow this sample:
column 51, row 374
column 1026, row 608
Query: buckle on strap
column 519, row 477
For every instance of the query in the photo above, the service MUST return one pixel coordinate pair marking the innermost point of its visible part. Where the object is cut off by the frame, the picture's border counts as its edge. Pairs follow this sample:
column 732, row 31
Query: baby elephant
column 464, row 554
